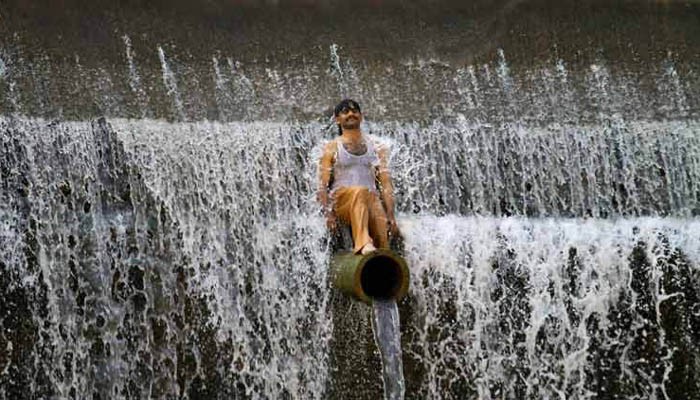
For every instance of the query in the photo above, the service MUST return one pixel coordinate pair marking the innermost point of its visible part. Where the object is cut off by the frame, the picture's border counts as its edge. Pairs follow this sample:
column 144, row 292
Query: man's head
column 347, row 115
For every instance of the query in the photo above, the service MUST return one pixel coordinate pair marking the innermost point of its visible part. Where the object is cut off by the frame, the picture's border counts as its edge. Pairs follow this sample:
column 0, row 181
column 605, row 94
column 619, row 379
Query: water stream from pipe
column 386, row 326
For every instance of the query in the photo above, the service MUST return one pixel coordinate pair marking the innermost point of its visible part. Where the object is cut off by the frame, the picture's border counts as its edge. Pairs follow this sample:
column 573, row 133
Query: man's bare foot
column 368, row 248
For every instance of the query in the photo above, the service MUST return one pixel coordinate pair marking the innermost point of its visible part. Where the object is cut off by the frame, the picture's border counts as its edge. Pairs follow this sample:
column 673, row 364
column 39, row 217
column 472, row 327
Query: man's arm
column 386, row 188
column 325, row 172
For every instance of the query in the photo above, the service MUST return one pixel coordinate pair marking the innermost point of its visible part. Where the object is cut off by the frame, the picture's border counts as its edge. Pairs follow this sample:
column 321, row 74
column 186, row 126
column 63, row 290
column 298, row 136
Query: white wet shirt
column 355, row 170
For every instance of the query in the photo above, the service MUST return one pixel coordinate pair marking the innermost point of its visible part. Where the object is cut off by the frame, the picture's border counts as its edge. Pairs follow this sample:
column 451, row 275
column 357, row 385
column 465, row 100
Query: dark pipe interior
column 381, row 278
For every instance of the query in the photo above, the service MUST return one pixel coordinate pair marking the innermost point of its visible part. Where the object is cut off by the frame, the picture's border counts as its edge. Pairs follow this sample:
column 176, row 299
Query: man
column 355, row 184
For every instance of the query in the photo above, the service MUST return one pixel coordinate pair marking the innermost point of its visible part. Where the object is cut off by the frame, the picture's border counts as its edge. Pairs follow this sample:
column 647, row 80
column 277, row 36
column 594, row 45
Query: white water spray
column 170, row 83
column 134, row 78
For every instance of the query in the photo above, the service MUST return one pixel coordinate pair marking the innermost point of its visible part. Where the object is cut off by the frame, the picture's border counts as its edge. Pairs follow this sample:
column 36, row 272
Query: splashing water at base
column 386, row 325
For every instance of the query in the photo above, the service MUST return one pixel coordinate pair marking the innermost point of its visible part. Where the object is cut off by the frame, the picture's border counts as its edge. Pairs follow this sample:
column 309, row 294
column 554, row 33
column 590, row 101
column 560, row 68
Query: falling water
column 337, row 71
column 5, row 79
column 547, row 308
column 385, row 324
column 127, row 229
column 157, row 282
column 223, row 95
column 550, row 218
column 170, row 82
column 673, row 87
column 134, row 77
column 3, row 68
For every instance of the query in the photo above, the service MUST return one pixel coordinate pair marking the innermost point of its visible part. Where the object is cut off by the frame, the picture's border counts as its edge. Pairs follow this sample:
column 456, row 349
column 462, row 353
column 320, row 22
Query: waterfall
column 160, row 236
column 135, row 289
column 552, row 308
column 157, row 259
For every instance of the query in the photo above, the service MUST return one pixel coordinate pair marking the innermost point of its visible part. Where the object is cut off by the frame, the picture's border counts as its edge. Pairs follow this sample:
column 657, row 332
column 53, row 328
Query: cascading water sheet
column 546, row 169
column 197, row 237
column 553, row 308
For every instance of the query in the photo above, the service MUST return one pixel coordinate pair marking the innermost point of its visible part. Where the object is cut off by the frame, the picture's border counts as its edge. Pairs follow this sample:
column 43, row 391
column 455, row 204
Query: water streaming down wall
column 119, row 284
column 550, row 216
column 141, row 257
column 150, row 80
column 553, row 308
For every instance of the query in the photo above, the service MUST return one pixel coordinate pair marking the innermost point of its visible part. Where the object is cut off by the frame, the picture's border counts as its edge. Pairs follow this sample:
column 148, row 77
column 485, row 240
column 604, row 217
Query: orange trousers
column 364, row 211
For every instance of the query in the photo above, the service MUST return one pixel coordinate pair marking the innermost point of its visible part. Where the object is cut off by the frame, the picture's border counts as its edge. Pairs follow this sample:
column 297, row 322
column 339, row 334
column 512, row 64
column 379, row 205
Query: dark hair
column 345, row 104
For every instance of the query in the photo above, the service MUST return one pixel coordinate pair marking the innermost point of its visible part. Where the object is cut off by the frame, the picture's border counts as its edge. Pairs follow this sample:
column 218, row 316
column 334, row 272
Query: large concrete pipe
column 380, row 275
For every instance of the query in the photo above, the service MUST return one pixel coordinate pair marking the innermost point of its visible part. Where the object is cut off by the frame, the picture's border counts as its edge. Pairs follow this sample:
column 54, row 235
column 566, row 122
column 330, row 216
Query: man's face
column 349, row 118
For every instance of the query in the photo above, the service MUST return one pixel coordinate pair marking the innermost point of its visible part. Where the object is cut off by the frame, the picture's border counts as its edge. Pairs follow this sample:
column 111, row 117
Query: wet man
column 355, row 184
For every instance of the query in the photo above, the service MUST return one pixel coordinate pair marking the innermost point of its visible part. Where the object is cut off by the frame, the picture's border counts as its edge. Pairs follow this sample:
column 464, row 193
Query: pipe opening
column 382, row 278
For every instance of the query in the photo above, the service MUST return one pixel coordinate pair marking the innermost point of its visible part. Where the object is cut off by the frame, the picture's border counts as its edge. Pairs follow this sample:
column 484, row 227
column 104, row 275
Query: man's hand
column 325, row 171
column 393, row 227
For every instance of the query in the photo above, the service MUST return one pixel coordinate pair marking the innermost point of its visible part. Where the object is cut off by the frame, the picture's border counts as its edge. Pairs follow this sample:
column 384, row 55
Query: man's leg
column 378, row 228
column 352, row 205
